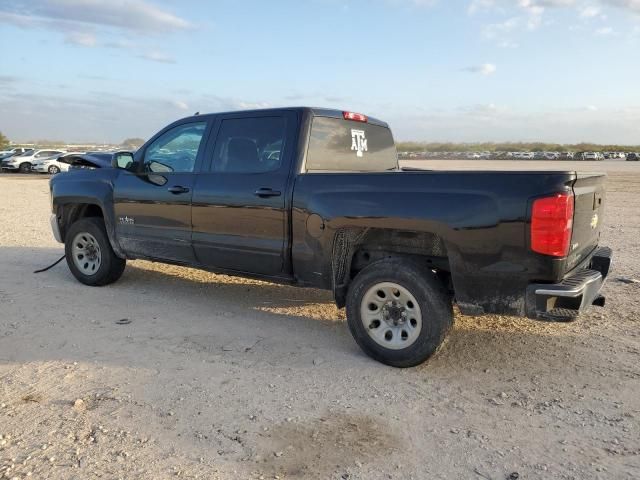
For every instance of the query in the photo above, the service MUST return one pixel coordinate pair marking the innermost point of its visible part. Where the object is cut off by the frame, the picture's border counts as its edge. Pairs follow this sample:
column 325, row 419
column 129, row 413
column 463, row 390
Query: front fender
column 71, row 192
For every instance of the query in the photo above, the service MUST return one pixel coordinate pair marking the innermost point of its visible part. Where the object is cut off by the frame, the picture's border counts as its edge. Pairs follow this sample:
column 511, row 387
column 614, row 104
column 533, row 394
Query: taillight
column 356, row 117
column 551, row 224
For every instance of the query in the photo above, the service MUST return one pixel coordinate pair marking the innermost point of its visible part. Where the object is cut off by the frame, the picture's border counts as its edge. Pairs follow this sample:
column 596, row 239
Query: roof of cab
column 317, row 112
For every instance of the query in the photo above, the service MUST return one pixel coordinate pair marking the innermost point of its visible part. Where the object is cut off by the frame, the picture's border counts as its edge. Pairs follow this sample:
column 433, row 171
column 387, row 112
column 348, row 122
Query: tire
column 53, row 170
column 89, row 254
column 25, row 167
column 420, row 294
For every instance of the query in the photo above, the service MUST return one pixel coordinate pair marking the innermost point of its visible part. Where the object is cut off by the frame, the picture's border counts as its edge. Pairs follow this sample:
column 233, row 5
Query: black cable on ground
column 51, row 266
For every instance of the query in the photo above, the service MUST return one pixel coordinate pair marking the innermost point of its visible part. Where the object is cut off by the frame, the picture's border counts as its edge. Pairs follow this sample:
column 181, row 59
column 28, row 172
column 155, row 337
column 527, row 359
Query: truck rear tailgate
column 589, row 193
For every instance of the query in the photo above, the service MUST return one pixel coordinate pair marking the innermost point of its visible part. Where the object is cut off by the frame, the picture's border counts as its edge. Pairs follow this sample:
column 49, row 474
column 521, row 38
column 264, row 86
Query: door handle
column 267, row 192
column 176, row 189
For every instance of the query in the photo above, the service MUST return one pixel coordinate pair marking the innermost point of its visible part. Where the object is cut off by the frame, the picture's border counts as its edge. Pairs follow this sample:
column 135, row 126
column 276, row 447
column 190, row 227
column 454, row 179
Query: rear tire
column 396, row 302
column 89, row 254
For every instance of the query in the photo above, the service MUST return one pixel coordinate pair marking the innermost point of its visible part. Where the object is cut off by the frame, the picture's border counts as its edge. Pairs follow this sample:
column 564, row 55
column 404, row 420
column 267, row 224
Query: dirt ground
column 176, row 373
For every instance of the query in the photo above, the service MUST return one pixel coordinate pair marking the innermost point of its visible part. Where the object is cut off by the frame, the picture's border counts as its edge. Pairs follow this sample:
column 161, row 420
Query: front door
column 239, row 201
column 153, row 203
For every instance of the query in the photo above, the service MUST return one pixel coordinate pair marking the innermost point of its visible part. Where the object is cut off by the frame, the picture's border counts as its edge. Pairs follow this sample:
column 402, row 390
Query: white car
column 591, row 156
column 23, row 162
column 52, row 165
column 10, row 153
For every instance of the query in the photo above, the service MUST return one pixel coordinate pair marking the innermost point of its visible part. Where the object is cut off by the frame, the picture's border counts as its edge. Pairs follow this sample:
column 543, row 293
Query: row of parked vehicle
column 26, row 160
column 593, row 156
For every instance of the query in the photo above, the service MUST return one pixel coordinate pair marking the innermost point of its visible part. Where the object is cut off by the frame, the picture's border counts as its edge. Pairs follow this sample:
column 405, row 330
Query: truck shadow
column 222, row 315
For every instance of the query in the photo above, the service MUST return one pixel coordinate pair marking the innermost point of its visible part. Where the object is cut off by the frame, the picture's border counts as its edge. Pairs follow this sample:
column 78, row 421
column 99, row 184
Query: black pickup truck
column 316, row 198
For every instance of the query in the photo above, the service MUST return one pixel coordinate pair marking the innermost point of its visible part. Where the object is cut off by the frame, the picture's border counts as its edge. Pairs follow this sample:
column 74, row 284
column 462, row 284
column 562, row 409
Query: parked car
column 633, row 157
column 24, row 161
column 566, row 156
column 52, row 165
column 14, row 151
column 333, row 210
column 592, row 156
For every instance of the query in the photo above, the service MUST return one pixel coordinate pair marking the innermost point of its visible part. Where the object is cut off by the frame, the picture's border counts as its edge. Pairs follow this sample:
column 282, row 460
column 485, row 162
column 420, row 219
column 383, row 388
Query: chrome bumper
column 562, row 302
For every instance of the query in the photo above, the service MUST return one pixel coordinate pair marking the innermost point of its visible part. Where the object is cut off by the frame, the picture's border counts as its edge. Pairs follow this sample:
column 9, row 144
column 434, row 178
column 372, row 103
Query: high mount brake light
column 552, row 224
column 356, row 117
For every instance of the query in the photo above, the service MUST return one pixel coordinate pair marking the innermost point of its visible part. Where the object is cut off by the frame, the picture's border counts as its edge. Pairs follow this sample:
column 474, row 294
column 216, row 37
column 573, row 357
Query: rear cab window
column 340, row 145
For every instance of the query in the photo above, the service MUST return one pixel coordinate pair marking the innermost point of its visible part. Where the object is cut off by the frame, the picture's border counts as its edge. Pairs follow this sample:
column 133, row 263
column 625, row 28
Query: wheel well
column 354, row 249
column 69, row 214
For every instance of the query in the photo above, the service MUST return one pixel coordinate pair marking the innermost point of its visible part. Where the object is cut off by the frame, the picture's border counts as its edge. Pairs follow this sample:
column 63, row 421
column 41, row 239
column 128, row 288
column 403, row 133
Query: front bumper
column 9, row 166
column 40, row 168
column 562, row 302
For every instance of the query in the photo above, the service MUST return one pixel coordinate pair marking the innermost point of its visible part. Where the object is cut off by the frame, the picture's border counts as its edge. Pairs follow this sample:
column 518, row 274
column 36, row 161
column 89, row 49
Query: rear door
column 153, row 203
column 240, row 203
column 587, row 218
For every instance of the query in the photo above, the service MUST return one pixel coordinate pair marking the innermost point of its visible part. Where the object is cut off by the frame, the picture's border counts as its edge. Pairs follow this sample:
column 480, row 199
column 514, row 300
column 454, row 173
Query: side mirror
column 122, row 160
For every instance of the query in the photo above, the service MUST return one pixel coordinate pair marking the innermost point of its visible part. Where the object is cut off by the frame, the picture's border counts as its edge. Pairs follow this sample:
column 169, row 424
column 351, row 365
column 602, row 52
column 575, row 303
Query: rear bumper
column 561, row 302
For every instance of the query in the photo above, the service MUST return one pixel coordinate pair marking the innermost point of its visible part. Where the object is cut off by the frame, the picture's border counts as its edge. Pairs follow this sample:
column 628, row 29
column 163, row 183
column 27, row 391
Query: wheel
column 25, row 167
column 398, row 312
column 53, row 169
column 89, row 254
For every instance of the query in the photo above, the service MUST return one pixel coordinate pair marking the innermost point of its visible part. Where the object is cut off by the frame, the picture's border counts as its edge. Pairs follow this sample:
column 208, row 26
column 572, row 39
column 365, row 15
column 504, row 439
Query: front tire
column 89, row 254
column 398, row 312
column 53, row 170
column 25, row 167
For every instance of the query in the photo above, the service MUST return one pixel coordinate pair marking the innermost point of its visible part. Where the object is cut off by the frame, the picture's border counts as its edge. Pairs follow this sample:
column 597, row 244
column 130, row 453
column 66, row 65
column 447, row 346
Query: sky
column 436, row 70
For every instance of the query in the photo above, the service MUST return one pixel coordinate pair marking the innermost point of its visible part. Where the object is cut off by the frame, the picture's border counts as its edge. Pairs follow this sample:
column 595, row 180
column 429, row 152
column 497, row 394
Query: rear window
column 343, row 145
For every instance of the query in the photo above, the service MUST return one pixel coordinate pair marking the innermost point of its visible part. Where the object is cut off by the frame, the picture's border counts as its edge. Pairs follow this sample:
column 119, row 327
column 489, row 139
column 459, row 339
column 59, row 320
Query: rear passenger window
column 249, row 145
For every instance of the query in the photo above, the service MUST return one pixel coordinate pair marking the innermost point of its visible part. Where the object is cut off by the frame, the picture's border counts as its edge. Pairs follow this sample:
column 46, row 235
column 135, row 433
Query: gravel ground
column 173, row 372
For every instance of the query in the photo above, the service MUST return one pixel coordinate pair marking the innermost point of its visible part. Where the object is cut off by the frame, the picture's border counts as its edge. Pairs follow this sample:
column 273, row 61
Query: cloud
column 633, row 5
column 477, row 5
column 495, row 30
column 485, row 69
column 415, row 3
column 98, row 115
column 120, row 43
column 605, row 31
column 157, row 56
column 490, row 123
column 180, row 105
column 508, row 44
column 590, row 11
column 81, row 39
column 133, row 15
column 8, row 79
